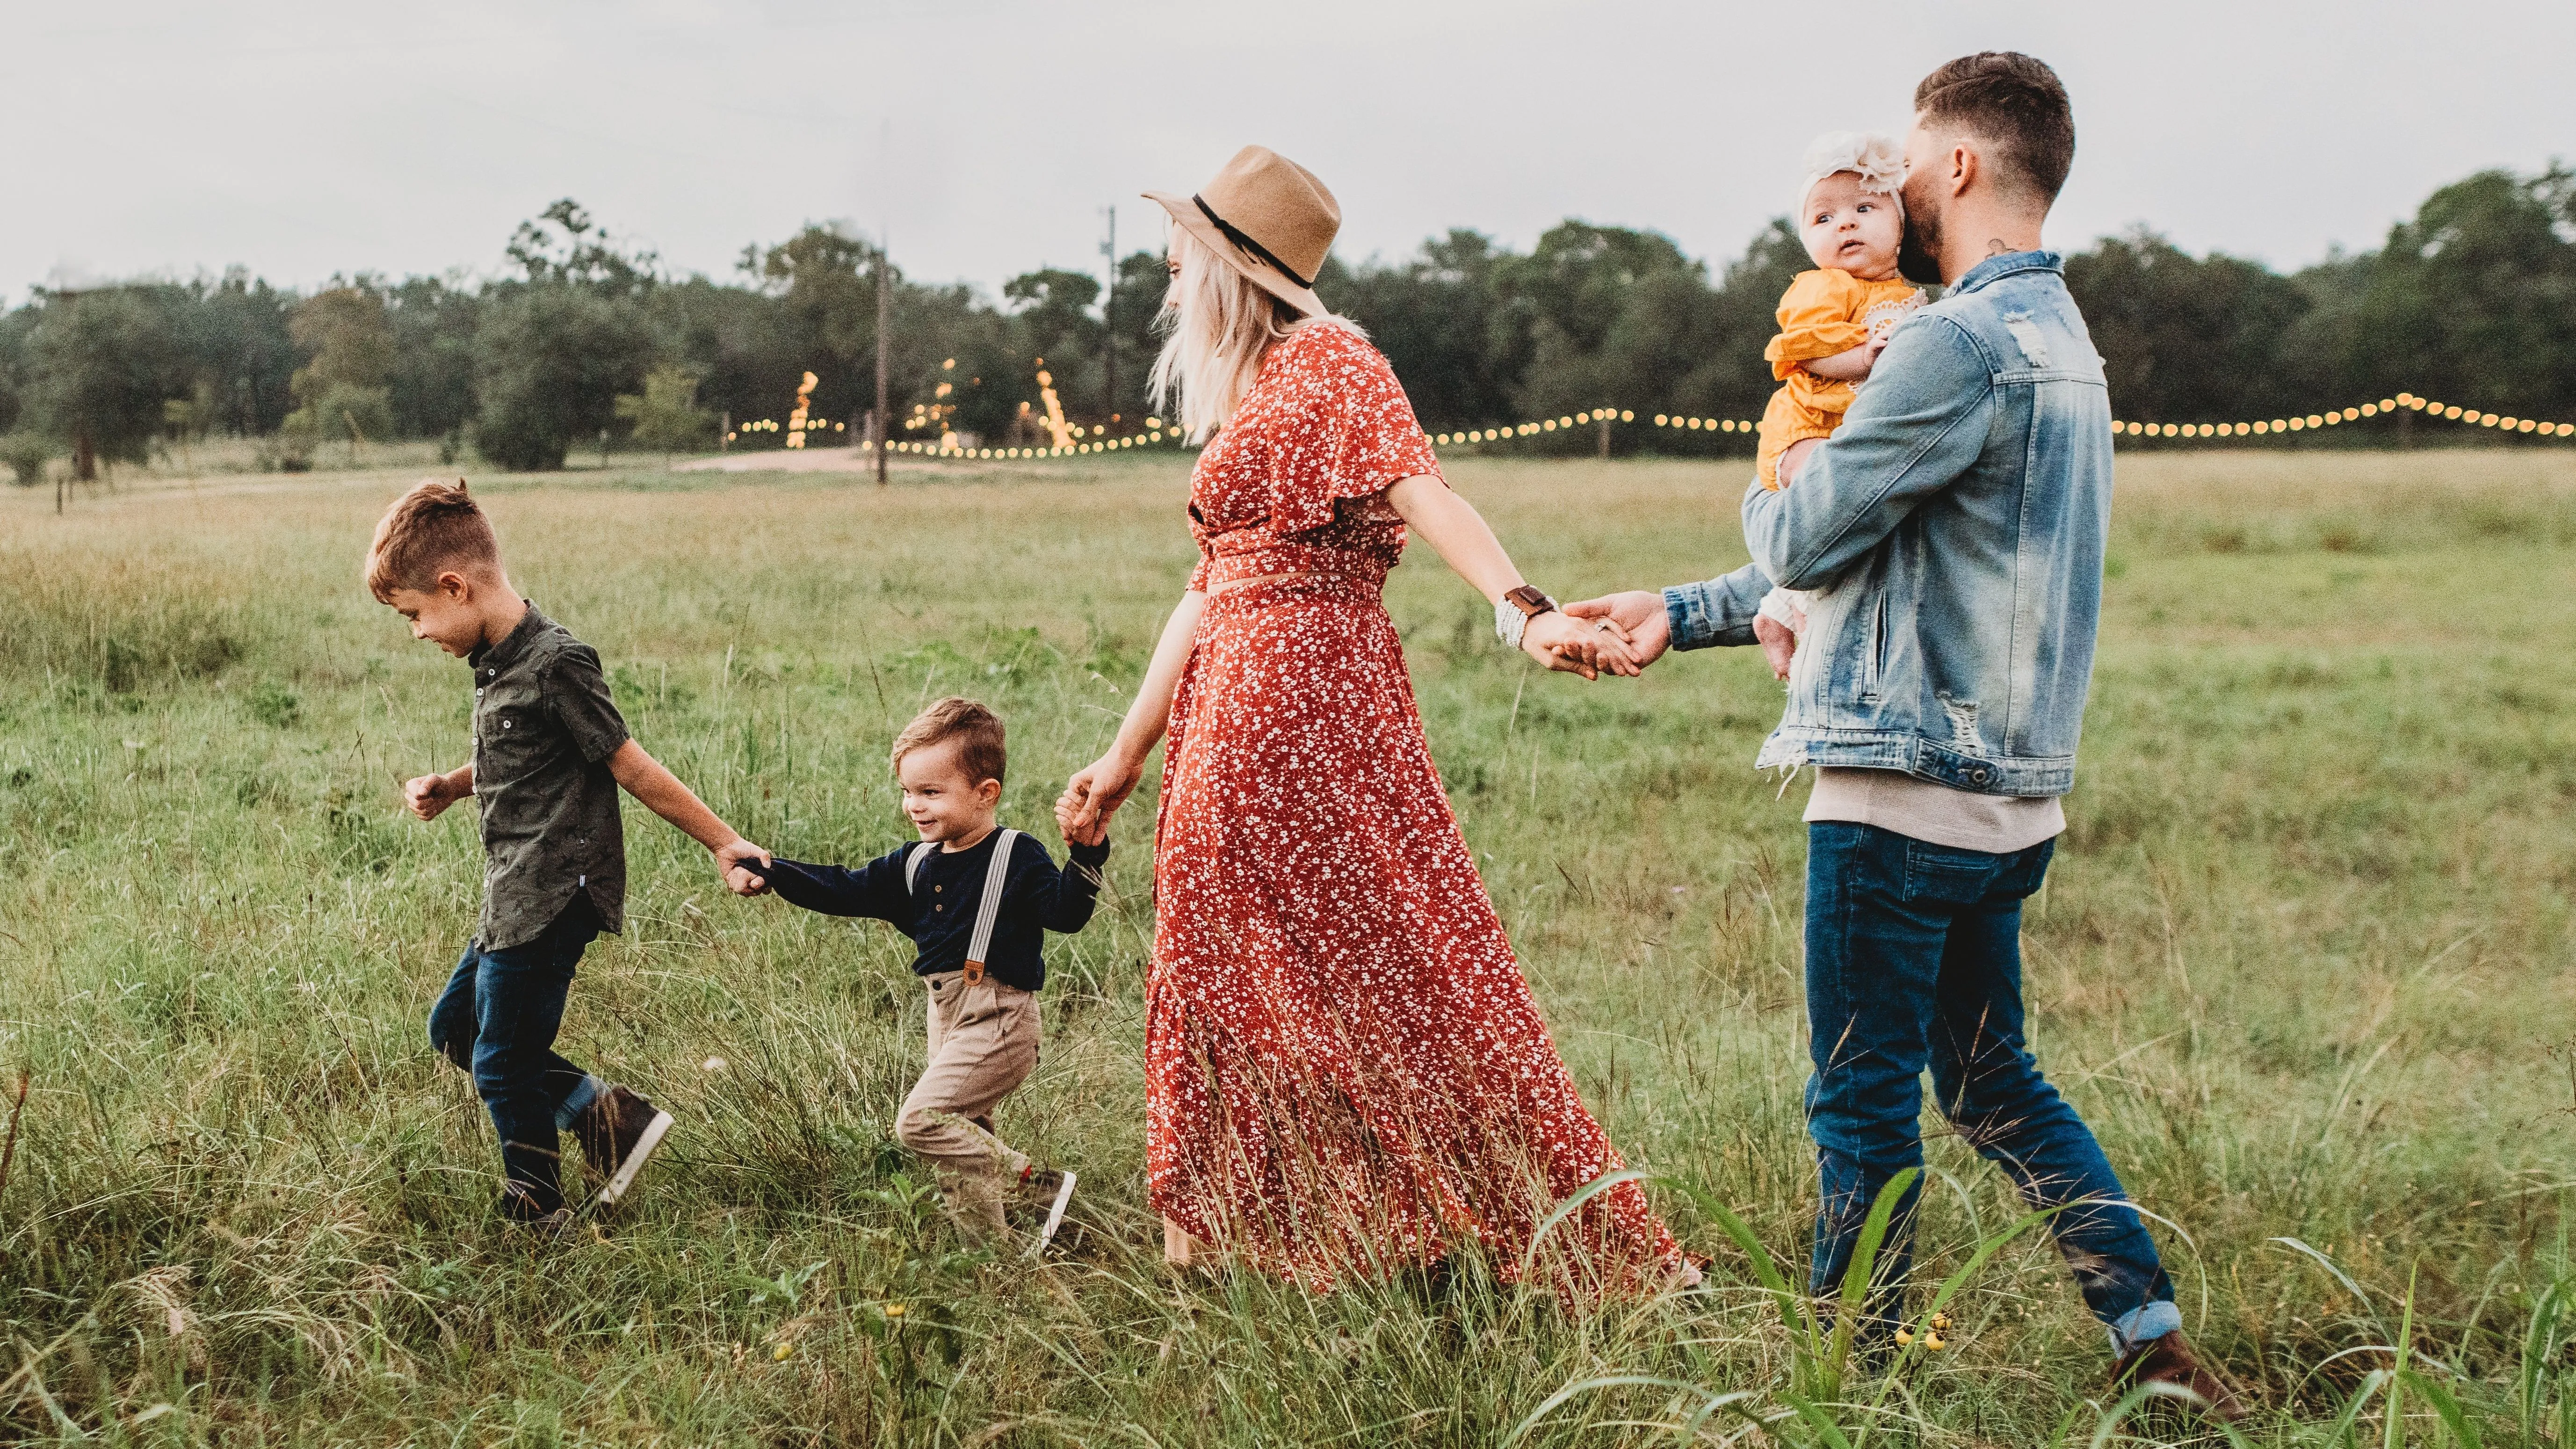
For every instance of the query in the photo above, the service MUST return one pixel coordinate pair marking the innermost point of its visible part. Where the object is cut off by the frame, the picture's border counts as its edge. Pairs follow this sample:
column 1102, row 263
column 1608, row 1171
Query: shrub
column 26, row 454
column 549, row 365
column 666, row 415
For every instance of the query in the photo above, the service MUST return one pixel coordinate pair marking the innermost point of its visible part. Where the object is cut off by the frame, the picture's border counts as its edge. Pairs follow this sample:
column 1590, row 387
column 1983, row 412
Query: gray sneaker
column 1055, row 1189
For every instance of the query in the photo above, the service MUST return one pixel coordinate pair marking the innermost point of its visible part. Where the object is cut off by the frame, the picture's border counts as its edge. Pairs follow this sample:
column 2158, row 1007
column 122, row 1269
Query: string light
column 1072, row 443
column 2406, row 401
column 1154, row 435
column 796, row 424
column 1505, row 432
column 1056, row 426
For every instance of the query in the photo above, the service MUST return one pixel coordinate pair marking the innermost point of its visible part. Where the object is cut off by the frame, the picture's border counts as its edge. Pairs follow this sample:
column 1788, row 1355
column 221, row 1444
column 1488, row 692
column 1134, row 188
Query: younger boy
column 550, row 752
column 977, row 901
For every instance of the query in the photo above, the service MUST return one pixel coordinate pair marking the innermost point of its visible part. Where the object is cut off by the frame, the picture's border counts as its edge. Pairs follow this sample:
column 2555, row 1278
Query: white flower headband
column 1873, row 156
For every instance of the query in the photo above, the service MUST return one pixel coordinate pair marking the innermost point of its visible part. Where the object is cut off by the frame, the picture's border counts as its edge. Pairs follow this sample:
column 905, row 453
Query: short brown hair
column 956, row 718
column 2014, row 101
column 435, row 527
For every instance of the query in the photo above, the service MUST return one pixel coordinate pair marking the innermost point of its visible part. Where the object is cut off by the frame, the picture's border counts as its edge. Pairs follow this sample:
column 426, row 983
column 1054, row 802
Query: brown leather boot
column 2170, row 1360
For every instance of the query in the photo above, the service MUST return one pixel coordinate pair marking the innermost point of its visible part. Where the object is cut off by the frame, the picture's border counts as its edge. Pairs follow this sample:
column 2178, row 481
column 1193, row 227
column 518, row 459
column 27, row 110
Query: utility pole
column 885, row 309
column 1109, row 313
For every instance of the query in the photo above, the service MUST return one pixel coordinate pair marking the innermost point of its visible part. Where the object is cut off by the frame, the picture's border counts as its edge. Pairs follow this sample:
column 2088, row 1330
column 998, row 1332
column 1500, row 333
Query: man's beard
column 1918, row 256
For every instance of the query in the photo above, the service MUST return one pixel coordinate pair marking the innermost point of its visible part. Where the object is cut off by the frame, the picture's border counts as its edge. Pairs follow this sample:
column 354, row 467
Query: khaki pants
column 983, row 1044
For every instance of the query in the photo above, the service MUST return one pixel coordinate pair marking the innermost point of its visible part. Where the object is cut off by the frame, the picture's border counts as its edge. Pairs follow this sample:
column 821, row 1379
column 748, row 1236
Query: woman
column 1344, row 1067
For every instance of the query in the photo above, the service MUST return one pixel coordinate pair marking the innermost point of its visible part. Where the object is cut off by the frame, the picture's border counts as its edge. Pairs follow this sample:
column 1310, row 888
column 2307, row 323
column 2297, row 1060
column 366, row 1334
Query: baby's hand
column 740, row 881
column 1849, row 365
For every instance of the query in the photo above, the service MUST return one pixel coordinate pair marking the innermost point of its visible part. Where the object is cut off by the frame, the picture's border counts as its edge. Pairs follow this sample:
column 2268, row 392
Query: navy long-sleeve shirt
column 938, row 913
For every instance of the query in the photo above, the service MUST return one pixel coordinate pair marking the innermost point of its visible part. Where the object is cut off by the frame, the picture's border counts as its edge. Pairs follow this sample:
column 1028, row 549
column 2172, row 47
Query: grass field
column 2304, row 962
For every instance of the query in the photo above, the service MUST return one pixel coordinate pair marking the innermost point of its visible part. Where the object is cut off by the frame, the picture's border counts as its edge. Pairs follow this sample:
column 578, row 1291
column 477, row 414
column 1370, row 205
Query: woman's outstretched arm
column 1458, row 533
column 1099, row 788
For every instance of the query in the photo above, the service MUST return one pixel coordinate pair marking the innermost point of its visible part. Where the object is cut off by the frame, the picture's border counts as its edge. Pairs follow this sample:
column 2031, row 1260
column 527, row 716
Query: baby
column 1834, row 320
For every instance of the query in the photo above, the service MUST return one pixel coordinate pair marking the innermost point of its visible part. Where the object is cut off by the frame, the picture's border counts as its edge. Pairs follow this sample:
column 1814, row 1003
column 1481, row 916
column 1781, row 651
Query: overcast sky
column 302, row 139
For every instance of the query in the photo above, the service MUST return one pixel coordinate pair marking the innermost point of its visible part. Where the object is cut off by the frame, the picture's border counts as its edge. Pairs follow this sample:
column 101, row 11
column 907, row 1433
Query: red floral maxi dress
column 1345, row 1068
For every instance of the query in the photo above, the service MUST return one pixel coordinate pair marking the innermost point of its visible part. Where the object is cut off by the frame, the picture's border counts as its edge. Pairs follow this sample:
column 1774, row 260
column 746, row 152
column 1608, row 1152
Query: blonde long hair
column 1216, row 325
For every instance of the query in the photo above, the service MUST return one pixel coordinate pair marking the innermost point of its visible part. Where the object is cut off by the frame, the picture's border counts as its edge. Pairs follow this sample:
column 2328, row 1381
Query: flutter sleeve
column 1819, row 317
column 1351, row 434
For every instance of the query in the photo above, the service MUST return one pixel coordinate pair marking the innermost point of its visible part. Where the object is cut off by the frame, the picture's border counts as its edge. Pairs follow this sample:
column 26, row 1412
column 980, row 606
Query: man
column 1953, row 533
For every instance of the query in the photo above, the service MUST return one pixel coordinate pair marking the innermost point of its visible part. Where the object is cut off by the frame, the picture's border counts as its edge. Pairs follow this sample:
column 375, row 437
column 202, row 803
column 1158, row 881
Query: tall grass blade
column 1573, row 1204
column 1854, row 1302
column 2394, row 1435
column 2539, row 1347
column 1828, row 1433
column 2341, row 1431
column 1554, row 1401
column 1766, row 1272
column 2446, row 1407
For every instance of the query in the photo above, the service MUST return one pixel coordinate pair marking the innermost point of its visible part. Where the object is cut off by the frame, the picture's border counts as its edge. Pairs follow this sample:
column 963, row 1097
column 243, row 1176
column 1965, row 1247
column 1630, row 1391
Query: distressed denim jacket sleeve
column 1719, row 611
column 1916, row 427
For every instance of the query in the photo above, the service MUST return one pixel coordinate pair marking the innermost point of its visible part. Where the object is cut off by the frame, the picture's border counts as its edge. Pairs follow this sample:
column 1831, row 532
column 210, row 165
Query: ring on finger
column 1601, row 624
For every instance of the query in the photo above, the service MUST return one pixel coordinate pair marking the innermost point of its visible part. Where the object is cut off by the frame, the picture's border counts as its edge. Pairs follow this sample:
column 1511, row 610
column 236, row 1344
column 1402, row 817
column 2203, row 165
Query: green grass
column 2303, row 962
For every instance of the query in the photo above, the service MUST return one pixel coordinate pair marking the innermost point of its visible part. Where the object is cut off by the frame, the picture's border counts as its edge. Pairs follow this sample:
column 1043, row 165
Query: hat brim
column 1268, row 278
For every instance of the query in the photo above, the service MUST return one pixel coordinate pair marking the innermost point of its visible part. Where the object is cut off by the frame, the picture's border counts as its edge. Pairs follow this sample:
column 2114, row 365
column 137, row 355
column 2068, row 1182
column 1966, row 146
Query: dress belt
column 1331, row 563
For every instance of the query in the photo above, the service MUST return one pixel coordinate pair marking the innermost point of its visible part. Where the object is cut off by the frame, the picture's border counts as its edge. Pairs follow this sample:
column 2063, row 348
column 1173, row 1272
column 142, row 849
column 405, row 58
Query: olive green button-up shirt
column 544, row 727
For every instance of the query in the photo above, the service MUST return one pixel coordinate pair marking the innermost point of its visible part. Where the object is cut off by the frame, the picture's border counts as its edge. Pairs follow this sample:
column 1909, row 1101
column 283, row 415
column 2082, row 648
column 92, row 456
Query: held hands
column 1641, row 621
column 1076, row 834
column 1094, row 794
column 1578, row 646
column 735, row 863
column 1636, row 618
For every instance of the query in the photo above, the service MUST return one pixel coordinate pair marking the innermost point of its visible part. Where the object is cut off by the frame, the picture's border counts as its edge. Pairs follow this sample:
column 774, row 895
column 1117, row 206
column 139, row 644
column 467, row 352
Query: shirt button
column 939, row 908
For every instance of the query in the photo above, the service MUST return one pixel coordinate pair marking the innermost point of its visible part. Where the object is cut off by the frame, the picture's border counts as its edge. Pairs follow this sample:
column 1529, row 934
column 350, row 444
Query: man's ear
column 1966, row 167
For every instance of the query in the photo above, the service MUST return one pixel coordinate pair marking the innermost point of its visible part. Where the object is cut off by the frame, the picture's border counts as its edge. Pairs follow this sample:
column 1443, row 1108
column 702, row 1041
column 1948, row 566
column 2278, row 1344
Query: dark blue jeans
column 1914, row 961
column 497, row 1019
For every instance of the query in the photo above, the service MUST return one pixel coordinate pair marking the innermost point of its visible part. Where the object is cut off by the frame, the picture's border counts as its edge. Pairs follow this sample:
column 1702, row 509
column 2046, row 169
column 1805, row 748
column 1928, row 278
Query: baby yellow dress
column 1824, row 312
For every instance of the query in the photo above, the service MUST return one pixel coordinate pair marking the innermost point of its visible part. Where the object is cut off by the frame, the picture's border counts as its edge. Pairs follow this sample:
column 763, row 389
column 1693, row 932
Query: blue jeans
column 1914, row 961
column 497, row 1019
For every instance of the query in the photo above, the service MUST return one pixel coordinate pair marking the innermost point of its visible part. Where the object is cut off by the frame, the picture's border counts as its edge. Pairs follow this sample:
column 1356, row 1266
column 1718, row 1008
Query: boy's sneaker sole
column 1055, row 1215
column 655, row 1129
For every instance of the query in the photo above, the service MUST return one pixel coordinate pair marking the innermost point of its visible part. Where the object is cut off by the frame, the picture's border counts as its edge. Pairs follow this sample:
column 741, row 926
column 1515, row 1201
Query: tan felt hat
column 1267, row 216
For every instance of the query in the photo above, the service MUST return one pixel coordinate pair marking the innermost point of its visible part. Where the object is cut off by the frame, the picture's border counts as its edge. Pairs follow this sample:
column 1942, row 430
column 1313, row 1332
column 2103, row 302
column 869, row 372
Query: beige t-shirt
column 1960, row 819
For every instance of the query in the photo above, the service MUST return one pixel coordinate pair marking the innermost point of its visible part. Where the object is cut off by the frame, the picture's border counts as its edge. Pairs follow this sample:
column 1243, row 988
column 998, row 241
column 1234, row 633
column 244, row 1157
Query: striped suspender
column 989, row 909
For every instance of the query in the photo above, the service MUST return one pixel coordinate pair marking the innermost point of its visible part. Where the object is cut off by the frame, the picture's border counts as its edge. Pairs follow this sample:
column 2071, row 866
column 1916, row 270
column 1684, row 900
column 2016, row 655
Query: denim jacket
column 1952, row 532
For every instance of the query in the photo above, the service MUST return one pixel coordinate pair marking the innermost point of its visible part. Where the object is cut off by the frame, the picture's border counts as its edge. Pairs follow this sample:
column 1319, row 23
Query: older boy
column 550, row 752
column 977, row 901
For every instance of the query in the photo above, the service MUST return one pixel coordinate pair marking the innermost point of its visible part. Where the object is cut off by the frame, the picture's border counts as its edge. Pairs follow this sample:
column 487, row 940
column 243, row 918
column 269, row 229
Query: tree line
column 585, row 340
